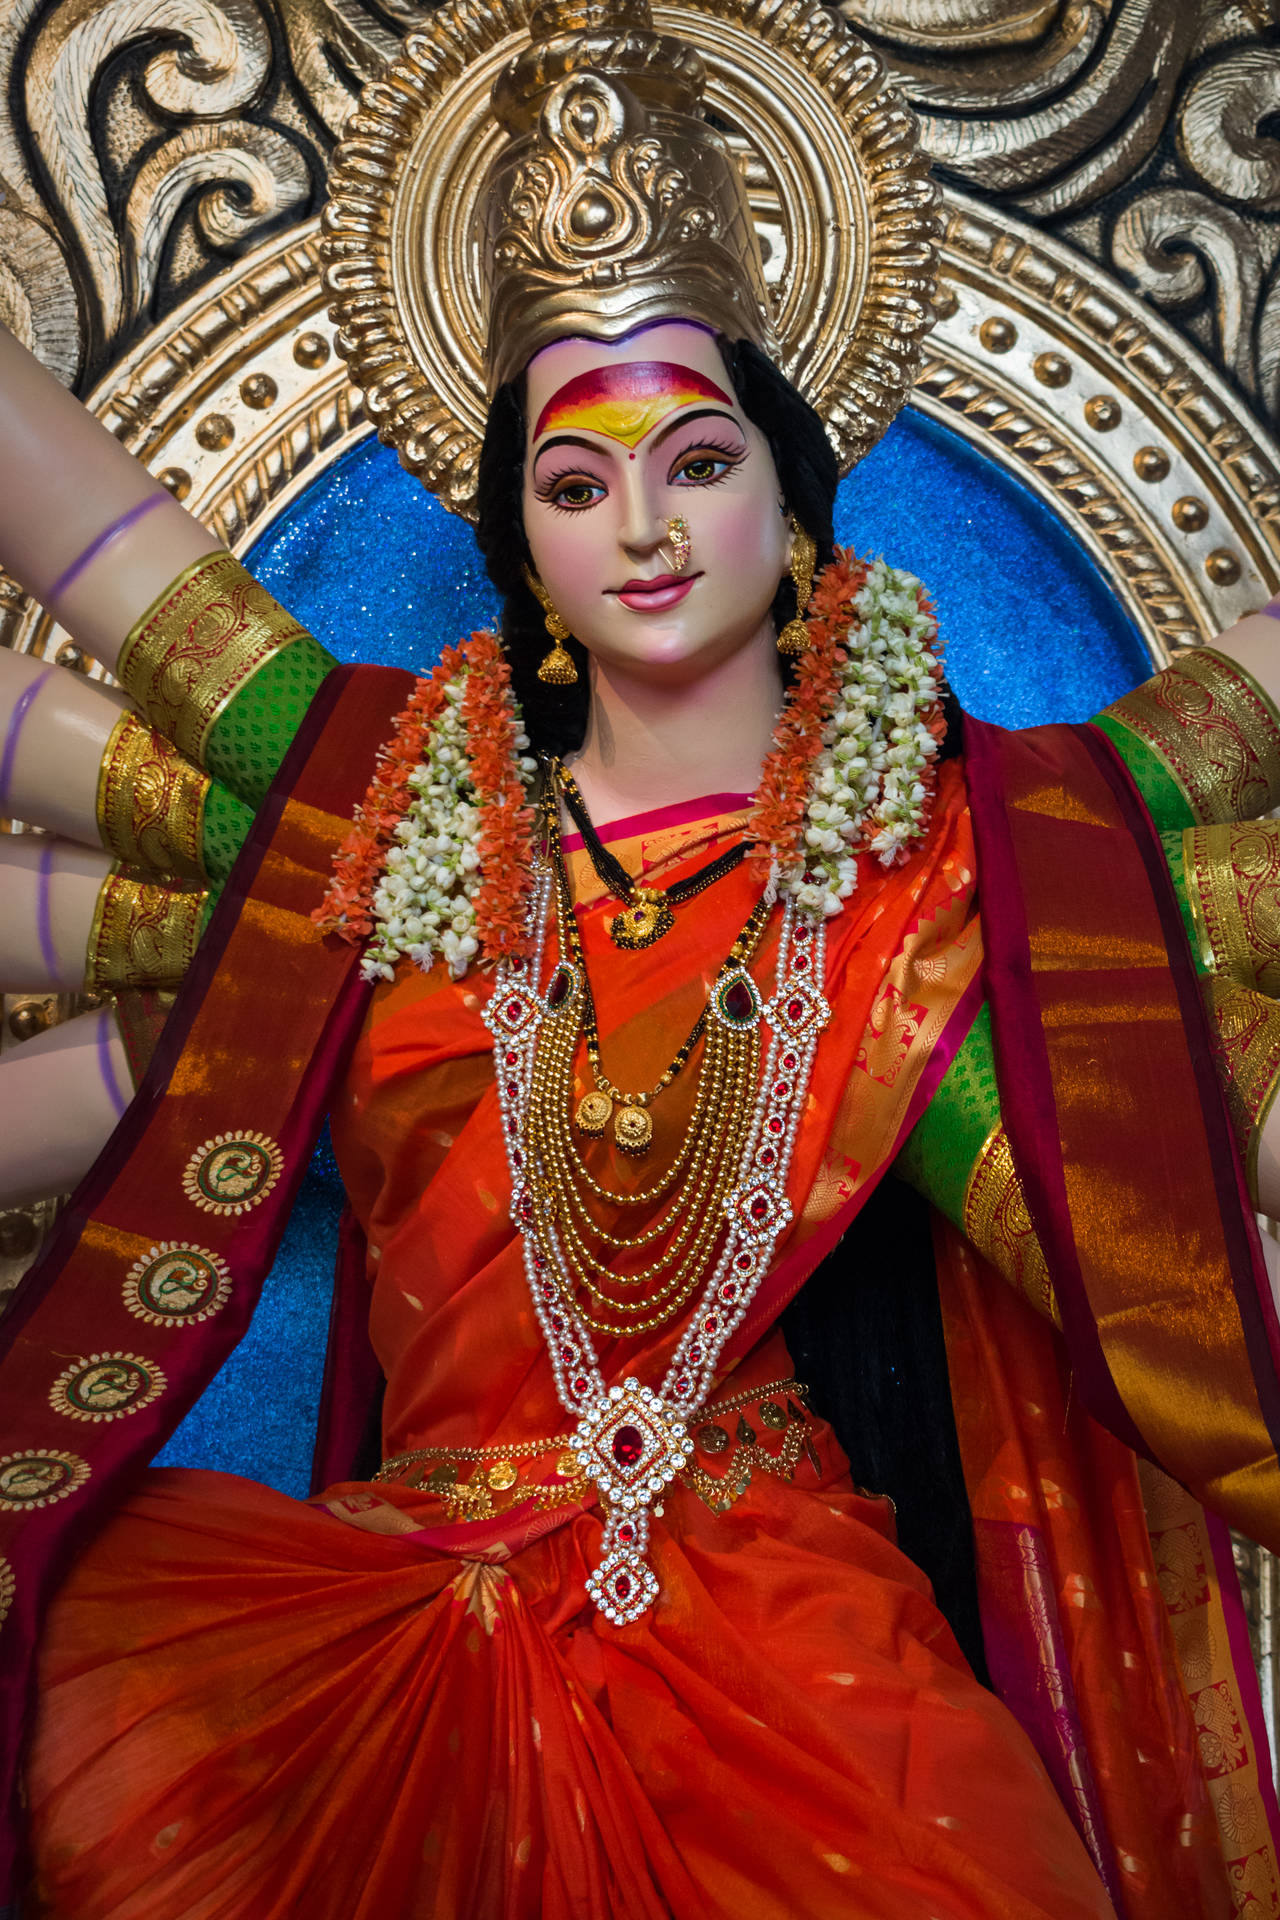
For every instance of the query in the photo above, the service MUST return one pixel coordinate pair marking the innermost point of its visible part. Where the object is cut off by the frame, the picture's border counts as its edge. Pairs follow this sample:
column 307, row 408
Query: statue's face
column 623, row 439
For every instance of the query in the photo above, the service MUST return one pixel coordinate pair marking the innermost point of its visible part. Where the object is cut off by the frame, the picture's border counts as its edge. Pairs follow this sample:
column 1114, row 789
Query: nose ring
column 679, row 542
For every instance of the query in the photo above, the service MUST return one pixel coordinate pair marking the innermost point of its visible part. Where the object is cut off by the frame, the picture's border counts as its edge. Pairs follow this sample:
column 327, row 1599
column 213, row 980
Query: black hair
column 556, row 717
column 865, row 1333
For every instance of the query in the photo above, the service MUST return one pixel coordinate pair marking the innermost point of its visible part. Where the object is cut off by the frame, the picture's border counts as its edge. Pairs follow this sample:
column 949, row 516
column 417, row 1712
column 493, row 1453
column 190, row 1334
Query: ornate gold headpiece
column 615, row 203
column 506, row 184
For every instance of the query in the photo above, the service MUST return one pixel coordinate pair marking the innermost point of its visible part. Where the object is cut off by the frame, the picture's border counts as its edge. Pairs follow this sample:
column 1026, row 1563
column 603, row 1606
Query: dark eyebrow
column 673, row 426
column 568, row 440
column 687, row 420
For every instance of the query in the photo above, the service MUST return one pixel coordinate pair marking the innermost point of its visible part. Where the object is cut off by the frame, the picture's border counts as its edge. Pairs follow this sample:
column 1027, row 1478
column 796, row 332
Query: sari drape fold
column 308, row 1685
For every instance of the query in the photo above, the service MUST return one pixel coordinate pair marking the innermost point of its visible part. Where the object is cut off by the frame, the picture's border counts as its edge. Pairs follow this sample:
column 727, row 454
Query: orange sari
column 396, row 1699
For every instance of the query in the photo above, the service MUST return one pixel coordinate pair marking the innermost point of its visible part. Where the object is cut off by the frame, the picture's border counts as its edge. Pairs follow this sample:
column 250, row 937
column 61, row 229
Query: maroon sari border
column 1024, row 1073
column 679, row 814
column 1250, row 1282
column 70, row 1223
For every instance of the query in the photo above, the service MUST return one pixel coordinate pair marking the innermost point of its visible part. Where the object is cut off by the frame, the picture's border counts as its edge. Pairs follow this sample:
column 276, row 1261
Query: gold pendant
column 633, row 1130
column 593, row 1113
column 645, row 919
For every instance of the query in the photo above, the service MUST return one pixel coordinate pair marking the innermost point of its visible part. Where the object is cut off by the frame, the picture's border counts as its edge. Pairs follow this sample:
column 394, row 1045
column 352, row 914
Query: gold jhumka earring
column 556, row 668
column 794, row 637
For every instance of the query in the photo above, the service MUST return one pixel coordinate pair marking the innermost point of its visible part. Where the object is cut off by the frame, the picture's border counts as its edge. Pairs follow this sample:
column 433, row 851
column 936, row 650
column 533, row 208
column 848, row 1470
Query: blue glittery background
column 378, row 570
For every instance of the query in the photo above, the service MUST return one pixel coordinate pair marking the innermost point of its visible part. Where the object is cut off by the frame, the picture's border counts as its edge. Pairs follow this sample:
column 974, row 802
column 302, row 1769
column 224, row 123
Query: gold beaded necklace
column 626, row 1300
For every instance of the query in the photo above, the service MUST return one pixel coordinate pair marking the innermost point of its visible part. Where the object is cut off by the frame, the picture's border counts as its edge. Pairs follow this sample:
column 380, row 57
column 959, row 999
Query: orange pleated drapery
column 373, row 1705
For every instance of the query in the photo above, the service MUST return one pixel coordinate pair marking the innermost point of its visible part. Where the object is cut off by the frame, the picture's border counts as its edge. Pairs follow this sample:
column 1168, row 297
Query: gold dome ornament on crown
column 517, row 176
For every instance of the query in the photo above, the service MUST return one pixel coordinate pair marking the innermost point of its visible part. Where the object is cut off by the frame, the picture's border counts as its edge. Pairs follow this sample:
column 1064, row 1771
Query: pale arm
column 1254, row 644
column 69, row 1086
column 54, row 729
column 63, row 480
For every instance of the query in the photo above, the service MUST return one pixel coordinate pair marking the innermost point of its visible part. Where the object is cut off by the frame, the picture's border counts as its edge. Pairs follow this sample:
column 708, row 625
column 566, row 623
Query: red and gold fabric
column 223, row 671
column 152, row 1271
column 144, row 933
column 790, row 1730
column 1112, row 1620
column 702, row 1758
column 1118, row 1122
column 1231, row 876
column 1201, row 739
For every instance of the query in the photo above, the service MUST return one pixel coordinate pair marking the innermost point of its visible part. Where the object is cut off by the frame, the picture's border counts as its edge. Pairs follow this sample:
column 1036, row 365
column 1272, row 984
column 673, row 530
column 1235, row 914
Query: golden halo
column 838, row 184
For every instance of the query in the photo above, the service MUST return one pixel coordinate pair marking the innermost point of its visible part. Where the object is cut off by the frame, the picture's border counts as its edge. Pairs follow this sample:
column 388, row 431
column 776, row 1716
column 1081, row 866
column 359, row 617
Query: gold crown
column 614, row 203
column 592, row 165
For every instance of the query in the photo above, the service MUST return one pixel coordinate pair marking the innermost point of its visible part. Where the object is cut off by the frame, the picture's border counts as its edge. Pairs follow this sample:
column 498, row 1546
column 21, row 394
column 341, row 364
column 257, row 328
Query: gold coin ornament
column 773, row 1415
column 713, row 1438
column 502, row 1474
column 232, row 1172
column 39, row 1478
column 633, row 1130
column 594, row 1111
column 106, row 1386
column 645, row 919
column 177, row 1285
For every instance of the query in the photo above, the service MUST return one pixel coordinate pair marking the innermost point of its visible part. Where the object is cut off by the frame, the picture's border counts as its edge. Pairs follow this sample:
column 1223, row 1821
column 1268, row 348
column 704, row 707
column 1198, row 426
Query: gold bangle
column 1233, row 884
column 997, row 1224
column 151, row 802
column 144, row 934
column 199, row 645
column 1246, row 1025
column 1216, row 732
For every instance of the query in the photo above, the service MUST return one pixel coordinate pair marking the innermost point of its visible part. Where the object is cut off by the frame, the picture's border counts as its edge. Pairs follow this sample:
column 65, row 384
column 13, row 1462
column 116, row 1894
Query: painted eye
column 578, row 494
column 703, row 466
column 568, row 492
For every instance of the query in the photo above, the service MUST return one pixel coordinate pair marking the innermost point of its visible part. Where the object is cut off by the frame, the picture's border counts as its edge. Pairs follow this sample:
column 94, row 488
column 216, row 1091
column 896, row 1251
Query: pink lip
column 657, row 595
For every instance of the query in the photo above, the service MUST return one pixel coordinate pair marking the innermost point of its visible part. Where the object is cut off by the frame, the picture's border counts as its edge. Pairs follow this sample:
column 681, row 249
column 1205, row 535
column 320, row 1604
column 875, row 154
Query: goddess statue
column 709, row 1561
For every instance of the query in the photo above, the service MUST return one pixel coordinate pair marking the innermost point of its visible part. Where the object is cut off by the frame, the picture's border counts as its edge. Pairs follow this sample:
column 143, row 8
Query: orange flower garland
column 440, row 860
column 500, row 895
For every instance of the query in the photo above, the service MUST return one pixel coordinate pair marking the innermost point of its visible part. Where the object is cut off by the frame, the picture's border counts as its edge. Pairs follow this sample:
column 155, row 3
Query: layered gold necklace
column 629, row 1283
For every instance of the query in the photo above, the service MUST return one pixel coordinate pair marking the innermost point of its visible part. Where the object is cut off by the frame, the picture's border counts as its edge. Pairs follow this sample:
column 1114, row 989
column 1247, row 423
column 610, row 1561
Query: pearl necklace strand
column 631, row 1441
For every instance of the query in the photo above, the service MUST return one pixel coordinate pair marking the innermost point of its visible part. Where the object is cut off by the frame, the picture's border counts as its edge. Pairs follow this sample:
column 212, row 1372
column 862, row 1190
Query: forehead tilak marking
column 626, row 400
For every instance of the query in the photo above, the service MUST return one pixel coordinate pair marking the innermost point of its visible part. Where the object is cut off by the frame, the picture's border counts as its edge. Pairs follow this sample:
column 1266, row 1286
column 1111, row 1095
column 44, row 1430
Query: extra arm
column 64, row 480
column 162, row 778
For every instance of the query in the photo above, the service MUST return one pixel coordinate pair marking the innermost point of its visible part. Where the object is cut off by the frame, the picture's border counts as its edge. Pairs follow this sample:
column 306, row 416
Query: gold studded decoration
column 1233, row 883
column 106, row 1386
column 996, row 1222
column 1215, row 730
column 8, row 1587
column 150, row 802
column 199, row 645
column 177, row 1285
column 144, row 933
column 39, row 1478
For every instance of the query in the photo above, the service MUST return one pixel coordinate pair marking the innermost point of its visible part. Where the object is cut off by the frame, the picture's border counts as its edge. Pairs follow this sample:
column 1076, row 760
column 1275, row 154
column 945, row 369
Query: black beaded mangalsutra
column 646, row 913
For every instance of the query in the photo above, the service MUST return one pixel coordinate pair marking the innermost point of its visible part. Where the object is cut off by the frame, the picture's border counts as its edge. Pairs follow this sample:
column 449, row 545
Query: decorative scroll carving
column 1168, row 237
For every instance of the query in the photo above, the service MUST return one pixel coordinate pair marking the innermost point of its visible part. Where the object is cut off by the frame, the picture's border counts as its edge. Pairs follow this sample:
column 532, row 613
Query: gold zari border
column 1246, row 1027
column 497, row 1482
column 1232, row 1767
column 1233, row 883
column 151, row 802
column 199, row 645
column 1216, row 732
column 996, row 1222
column 143, row 934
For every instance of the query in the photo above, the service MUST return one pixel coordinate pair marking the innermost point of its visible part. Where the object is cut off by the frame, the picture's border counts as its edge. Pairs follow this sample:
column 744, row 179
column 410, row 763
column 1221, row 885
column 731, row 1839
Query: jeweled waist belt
column 769, row 1434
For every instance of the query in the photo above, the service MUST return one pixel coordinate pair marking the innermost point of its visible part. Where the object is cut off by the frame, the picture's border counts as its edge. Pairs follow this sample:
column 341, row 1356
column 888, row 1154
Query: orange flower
column 347, row 907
